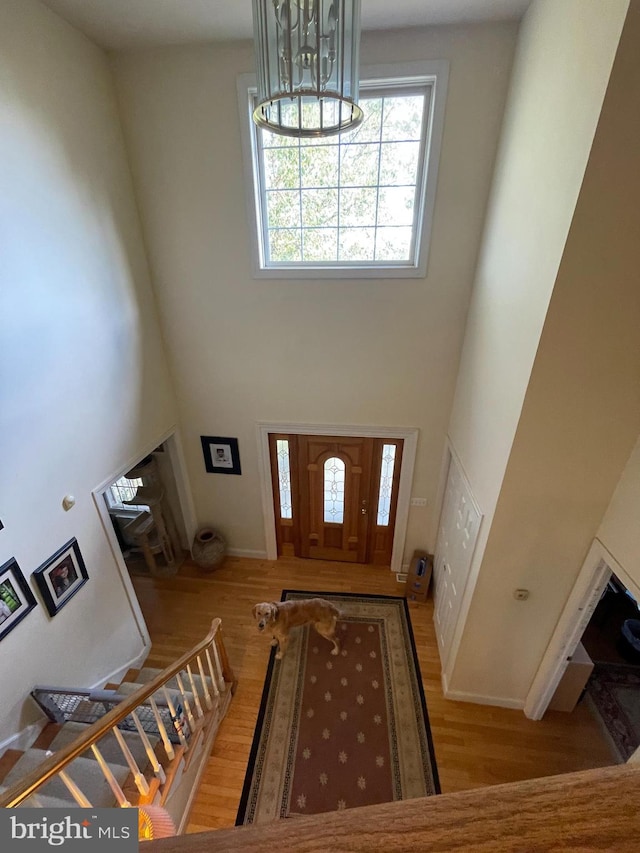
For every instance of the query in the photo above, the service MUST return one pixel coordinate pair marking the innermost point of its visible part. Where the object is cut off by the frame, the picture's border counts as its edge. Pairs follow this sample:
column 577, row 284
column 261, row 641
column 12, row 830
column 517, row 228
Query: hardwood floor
column 475, row 745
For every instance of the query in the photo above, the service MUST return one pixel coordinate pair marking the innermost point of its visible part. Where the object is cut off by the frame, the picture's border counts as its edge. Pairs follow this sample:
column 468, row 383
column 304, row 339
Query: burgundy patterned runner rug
column 335, row 732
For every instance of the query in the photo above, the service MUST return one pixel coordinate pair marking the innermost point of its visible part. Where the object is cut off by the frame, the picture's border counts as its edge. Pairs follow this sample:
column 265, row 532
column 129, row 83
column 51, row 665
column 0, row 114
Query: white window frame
column 434, row 73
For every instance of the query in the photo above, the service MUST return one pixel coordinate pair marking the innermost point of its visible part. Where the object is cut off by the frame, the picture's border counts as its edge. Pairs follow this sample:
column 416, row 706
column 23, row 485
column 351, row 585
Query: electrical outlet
column 521, row 594
column 418, row 501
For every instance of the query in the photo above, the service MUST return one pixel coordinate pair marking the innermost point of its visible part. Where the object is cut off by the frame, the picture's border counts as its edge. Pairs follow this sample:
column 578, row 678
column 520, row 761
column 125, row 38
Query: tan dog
column 279, row 618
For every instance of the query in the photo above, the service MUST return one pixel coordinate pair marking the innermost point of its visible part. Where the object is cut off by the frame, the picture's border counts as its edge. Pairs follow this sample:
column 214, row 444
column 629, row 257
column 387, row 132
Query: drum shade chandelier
column 307, row 66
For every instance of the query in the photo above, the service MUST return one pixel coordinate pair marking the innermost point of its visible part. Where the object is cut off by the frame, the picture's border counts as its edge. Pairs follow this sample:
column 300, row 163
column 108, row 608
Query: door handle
column 364, row 509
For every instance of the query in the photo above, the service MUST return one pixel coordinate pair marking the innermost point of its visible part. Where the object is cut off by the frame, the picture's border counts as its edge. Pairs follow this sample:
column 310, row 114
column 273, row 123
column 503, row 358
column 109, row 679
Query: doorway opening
column 142, row 506
column 594, row 654
column 611, row 636
column 335, row 497
column 612, row 644
column 146, row 511
column 337, row 492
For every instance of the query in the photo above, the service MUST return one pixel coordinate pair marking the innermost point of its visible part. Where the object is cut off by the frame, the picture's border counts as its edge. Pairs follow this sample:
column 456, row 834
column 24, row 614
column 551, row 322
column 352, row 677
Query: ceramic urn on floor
column 208, row 549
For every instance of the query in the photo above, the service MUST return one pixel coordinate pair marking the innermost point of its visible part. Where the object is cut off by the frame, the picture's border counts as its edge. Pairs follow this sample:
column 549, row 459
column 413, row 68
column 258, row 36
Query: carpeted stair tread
column 41, row 801
column 108, row 745
column 127, row 688
column 149, row 673
column 84, row 772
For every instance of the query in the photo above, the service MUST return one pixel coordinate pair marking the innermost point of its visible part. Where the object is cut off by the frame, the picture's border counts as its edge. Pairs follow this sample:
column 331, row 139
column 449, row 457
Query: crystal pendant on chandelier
column 307, row 66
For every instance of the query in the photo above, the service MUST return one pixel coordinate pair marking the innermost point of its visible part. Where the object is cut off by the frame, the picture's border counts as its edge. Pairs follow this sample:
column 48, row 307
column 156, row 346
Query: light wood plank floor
column 475, row 745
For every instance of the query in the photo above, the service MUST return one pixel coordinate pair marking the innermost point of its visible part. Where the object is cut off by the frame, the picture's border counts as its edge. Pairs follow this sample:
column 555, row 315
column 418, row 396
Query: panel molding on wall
column 458, row 529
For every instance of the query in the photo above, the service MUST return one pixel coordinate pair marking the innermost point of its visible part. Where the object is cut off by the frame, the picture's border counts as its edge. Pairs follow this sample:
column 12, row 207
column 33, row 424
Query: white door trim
column 410, row 438
column 582, row 601
column 174, row 449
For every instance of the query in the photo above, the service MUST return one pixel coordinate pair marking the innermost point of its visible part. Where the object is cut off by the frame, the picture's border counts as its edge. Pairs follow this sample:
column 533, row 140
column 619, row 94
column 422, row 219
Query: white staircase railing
column 184, row 739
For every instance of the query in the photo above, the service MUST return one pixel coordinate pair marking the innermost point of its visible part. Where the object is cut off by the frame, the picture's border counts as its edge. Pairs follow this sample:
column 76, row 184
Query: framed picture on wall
column 221, row 455
column 16, row 599
column 61, row 576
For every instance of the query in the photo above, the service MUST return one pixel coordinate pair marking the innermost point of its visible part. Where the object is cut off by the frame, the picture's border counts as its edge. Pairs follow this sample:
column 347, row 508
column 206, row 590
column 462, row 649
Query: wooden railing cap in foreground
column 594, row 810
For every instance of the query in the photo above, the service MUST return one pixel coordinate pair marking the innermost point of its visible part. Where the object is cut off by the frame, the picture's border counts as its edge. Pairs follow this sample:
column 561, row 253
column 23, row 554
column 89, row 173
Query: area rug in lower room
column 614, row 690
column 335, row 732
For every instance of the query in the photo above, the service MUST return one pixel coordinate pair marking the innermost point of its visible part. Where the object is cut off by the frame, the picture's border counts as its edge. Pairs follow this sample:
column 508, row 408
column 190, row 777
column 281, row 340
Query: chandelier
column 307, row 66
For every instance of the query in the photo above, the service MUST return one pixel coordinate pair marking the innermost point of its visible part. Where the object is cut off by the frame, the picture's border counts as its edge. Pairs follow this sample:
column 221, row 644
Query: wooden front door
column 335, row 496
column 335, row 481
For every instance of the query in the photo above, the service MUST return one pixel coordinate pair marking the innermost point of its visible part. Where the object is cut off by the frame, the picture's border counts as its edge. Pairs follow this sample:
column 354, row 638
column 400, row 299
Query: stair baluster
column 168, row 746
column 118, row 793
column 74, row 790
column 141, row 783
column 218, row 667
column 175, row 716
column 196, row 697
column 153, row 758
column 214, row 680
column 185, row 701
column 214, row 676
column 205, row 684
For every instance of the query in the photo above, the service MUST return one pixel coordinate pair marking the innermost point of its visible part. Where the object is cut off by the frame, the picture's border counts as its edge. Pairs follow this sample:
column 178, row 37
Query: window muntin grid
column 334, row 478
column 123, row 490
column 386, row 484
column 284, row 477
column 355, row 200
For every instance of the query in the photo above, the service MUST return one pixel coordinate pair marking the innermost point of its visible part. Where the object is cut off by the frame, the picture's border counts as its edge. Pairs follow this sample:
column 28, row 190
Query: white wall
column 620, row 531
column 562, row 412
column 564, row 57
column 350, row 351
column 83, row 380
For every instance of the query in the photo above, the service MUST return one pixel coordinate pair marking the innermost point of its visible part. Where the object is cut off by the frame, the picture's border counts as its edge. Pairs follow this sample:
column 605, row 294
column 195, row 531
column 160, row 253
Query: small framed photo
column 221, row 455
column 16, row 599
column 61, row 576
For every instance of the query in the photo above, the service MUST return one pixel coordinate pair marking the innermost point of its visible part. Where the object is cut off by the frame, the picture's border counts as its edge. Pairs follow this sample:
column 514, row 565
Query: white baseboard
column 23, row 740
column 480, row 699
column 243, row 552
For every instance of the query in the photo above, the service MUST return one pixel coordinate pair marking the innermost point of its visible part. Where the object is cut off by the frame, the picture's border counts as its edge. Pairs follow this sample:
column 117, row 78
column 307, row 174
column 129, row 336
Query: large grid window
column 355, row 201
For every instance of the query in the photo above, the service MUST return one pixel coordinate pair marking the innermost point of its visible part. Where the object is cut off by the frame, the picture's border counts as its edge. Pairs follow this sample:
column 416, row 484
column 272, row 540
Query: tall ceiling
column 130, row 24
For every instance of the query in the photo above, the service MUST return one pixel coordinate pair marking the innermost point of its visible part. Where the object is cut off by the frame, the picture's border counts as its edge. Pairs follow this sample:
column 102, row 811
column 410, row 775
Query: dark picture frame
column 61, row 576
column 221, row 455
column 16, row 599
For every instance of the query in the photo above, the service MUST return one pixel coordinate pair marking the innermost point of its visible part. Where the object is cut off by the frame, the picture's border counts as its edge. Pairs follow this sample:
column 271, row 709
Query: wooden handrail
column 593, row 810
column 49, row 768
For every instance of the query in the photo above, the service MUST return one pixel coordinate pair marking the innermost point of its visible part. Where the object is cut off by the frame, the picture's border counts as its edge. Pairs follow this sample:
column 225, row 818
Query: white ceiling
column 127, row 24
